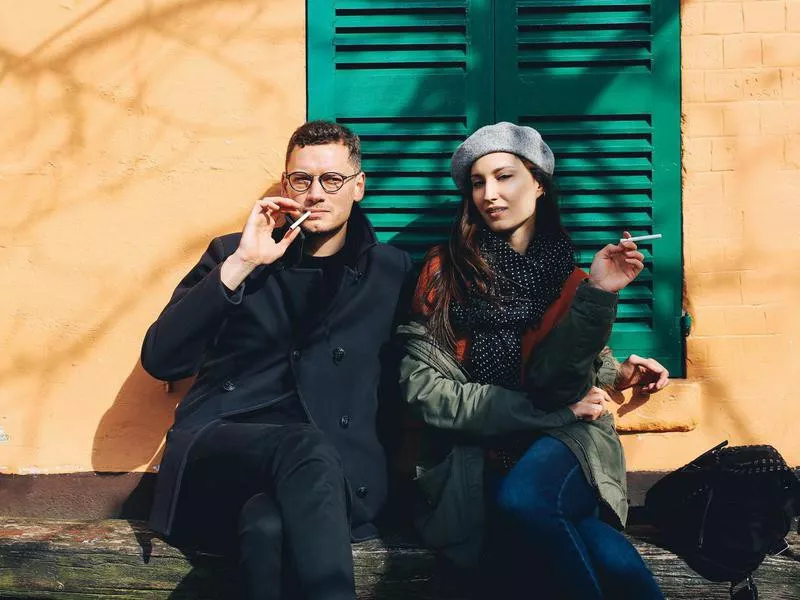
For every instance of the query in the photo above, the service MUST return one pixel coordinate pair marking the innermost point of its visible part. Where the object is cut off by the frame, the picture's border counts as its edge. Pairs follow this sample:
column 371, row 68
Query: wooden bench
column 82, row 560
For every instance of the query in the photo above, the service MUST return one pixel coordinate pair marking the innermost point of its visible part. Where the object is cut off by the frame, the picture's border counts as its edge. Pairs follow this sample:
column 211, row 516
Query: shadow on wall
column 56, row 63
column 107, row 75
column 131, row 432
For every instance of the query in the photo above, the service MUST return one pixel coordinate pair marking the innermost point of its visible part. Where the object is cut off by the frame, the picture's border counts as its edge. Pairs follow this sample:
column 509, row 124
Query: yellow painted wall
column 741, row 140
column 133, row 132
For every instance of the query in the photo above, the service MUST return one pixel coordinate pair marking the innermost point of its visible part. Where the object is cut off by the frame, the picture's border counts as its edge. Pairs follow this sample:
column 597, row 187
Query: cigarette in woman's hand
column 641, row 238
column 302, row 218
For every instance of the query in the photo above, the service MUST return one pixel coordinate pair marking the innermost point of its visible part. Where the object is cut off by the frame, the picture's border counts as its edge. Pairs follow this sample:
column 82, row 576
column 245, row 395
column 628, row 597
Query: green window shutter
column 405, row 77
column 600, row 80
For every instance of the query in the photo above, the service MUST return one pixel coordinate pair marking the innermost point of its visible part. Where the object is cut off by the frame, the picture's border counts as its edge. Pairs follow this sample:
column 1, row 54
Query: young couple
column 275, row 454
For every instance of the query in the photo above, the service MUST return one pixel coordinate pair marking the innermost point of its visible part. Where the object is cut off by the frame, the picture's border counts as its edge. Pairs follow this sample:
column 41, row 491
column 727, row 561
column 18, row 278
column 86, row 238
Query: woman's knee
column 517, row 501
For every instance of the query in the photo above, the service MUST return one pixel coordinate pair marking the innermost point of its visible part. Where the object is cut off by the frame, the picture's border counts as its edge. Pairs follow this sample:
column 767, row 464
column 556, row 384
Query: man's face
column 329, row 209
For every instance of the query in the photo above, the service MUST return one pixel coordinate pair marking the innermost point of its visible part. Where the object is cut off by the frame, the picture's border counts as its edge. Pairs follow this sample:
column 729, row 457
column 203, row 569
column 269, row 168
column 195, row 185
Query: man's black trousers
column 277, row 497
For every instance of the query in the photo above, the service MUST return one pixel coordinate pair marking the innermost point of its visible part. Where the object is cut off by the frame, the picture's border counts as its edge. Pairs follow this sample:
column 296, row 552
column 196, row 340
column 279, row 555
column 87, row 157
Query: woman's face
column 505, row 193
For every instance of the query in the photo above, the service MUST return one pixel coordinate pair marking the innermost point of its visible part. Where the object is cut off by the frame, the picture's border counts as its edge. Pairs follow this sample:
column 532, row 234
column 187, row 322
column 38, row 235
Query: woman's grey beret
column 525, row 142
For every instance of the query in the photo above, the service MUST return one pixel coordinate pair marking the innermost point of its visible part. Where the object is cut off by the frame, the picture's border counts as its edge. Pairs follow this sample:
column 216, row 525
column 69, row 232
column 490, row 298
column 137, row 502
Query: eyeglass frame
column 345, row 179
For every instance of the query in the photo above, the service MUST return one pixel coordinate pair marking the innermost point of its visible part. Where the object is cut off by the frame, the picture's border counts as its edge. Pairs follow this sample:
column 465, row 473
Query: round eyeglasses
column 331, row 182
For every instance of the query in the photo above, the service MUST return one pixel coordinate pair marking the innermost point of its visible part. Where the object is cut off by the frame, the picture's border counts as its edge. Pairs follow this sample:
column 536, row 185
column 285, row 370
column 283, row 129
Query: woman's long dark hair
column 461, row 266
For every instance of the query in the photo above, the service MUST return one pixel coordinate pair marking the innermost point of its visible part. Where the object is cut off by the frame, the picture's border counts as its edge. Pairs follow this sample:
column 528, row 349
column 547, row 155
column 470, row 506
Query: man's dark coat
column 266, row 347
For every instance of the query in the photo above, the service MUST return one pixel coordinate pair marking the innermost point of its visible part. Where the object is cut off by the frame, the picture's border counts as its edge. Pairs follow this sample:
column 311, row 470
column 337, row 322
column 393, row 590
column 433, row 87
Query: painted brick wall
column 132, row 133
column 741, row 208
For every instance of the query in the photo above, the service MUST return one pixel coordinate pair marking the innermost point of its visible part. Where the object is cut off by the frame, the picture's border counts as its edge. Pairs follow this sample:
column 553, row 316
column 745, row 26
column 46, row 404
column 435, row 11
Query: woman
column 515, row 432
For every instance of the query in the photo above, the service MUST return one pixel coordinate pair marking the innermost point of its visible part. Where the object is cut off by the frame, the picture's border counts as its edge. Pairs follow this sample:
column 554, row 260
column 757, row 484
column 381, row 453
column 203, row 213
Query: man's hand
column 645, row 373
column 616, row 265
column 592, row 406
column 256, row 246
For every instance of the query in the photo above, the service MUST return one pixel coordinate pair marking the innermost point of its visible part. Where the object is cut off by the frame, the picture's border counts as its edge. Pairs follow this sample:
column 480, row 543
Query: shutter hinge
column 686, row 324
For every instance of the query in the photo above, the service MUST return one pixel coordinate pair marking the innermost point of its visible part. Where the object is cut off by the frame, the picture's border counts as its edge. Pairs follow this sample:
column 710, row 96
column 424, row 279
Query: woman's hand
column 616, row 265
column 646, row 373
column 592, row 406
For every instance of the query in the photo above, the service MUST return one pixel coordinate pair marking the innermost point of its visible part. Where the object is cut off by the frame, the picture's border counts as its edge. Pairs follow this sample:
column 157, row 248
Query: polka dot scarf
column 522, row 288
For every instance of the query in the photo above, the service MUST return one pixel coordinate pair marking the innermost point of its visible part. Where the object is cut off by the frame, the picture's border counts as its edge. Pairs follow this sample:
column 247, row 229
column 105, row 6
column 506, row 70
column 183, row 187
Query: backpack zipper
column 701, row 536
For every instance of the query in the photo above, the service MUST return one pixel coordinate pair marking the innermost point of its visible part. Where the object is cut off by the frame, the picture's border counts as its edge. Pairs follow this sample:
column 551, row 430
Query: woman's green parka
column 460, row 417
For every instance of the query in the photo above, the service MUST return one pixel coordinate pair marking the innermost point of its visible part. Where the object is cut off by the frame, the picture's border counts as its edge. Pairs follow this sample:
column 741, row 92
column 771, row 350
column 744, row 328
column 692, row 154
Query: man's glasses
column 331, row 182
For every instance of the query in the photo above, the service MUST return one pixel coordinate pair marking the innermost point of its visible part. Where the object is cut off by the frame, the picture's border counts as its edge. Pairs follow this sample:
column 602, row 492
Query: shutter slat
column 584, row 256
column 634, row 145
column 614, row 221
column 584, row 4
column 607, row 162
column 584, row 199
column 419, row 183
column 593, row 125
column 402, row 57
column 413, row 201
column 367, row 6
column 408, row 163
column 536, row 36
column 545, row 55
column 568, row 183
column 392, row 20
column 398, row 39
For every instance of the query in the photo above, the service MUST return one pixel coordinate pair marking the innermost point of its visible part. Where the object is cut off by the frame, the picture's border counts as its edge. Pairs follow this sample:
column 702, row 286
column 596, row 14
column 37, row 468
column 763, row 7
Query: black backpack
column 725, row 511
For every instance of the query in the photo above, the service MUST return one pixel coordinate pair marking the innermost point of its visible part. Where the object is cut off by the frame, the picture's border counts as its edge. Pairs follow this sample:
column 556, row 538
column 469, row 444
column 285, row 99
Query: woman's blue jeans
column 547, row 540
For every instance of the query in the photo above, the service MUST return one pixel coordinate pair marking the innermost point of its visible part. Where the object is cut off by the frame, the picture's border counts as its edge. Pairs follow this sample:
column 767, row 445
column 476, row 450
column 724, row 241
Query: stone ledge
column 675, row 408
column 82, row 560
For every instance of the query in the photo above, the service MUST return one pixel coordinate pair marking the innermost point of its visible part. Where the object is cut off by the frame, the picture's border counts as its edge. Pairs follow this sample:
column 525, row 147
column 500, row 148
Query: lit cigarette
column 302, row 218
column 641, row 238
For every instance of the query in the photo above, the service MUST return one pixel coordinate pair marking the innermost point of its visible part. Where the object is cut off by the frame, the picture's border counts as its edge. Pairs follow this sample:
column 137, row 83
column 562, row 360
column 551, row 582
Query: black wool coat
column 266, row 347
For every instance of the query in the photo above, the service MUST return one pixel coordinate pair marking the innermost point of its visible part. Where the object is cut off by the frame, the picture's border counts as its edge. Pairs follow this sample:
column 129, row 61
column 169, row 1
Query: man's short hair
column 319, row 133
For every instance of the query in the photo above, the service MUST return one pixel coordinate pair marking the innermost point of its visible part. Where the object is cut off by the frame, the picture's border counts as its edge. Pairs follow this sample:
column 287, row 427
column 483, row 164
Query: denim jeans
column 546, row 539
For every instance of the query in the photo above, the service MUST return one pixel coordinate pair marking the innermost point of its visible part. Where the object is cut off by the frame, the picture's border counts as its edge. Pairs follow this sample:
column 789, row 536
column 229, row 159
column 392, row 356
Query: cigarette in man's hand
column 641, row 238
column 302, row 218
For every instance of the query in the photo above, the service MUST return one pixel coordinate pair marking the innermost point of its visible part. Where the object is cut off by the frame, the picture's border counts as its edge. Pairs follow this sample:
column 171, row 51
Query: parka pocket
column 442, row 518
column 431, row 481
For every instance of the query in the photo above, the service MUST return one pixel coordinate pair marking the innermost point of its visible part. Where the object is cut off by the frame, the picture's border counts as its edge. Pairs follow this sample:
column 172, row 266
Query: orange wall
column 741, row 141
column 133, row 132
column 130, row 134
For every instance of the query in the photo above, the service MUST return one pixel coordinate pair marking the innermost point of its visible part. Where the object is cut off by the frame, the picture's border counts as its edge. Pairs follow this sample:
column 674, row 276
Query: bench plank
column 80, row 560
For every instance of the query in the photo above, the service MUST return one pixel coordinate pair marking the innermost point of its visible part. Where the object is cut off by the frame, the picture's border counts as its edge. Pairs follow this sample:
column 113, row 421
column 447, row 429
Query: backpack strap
column 745, row 589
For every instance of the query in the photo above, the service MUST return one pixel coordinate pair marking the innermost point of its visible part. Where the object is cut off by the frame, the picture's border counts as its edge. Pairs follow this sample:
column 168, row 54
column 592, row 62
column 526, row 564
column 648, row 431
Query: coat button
column 338, row 354
column 362, row 492
column 344, row 422
column 228, row 385
column 295, row 354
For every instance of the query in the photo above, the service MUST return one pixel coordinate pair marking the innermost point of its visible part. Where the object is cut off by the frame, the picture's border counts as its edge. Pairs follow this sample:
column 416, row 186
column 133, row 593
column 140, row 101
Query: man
column 274, row 452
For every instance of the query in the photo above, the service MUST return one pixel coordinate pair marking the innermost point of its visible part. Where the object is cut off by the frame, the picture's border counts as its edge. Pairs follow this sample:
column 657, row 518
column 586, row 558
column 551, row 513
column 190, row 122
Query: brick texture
column 764, row 15
column 741, row 162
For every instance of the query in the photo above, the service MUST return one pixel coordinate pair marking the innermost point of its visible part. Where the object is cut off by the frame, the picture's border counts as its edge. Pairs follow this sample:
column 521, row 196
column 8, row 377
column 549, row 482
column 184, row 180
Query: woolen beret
column 525, row 142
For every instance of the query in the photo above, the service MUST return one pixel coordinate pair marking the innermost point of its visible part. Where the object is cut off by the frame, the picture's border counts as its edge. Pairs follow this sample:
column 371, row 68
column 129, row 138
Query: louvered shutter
column 600, row 80
column 407, row 78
